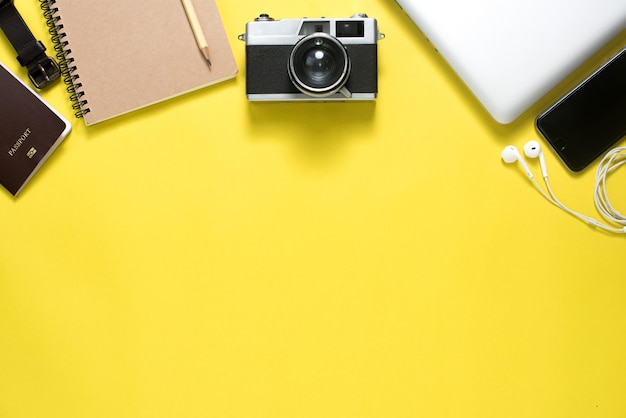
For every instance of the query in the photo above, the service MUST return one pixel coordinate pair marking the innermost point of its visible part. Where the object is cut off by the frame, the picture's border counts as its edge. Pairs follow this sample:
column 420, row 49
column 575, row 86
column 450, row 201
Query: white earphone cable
column 556, row 202
column 611, row 162
column 580, row 216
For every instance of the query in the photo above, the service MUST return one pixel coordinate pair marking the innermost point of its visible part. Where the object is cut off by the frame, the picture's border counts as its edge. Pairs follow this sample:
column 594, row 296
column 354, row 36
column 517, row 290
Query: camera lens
column 319, row 65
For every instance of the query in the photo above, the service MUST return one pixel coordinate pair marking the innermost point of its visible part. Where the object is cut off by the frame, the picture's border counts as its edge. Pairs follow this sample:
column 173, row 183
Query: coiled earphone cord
column 611, row 162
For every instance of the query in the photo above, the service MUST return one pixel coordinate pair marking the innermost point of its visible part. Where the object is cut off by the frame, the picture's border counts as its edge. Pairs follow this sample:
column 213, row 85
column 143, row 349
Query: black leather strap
column 42, row 70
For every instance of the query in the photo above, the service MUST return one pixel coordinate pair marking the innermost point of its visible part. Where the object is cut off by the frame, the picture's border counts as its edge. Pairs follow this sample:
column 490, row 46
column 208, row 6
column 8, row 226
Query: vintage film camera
column 312, row 59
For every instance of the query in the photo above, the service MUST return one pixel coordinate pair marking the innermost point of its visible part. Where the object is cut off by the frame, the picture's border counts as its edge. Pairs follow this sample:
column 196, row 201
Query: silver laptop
column 512, row 52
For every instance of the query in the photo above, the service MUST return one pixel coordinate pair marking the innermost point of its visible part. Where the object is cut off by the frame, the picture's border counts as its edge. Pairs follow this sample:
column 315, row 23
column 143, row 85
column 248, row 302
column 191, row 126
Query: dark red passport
column 30, row 131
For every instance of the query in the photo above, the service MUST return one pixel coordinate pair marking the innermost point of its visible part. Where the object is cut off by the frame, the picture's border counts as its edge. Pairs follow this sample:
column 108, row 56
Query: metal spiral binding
column 64, row 57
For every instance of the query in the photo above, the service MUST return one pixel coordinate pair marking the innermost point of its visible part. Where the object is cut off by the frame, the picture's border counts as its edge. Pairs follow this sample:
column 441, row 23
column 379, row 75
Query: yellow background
column 208, row 257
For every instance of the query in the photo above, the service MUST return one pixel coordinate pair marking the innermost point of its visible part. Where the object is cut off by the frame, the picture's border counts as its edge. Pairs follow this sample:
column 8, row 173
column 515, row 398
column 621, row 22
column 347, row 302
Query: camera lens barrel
column 319, row 65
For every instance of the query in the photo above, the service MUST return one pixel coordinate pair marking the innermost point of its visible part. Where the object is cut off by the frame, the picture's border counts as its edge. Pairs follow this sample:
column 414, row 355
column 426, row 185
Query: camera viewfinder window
column 311, row 27
column 348, row 29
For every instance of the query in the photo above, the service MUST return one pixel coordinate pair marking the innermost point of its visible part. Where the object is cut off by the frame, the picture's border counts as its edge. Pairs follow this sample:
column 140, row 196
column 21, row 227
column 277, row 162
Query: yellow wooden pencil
column 197, row 29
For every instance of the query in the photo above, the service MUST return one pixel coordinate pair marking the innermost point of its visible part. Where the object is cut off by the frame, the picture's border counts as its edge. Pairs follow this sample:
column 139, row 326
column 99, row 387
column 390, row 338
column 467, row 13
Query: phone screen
column 587, row 121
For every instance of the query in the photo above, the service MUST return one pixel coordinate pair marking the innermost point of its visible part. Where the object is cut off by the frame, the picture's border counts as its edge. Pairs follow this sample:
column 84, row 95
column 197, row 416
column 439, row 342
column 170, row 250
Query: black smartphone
column 587, row 121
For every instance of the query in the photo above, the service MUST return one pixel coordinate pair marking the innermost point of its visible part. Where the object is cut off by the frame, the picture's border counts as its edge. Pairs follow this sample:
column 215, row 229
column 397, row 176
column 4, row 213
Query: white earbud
column 532, row 149
column 510, row 155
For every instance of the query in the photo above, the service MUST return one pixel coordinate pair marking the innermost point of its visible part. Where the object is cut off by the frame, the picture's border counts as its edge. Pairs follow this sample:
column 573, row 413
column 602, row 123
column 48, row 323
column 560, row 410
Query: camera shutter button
column 264, row 17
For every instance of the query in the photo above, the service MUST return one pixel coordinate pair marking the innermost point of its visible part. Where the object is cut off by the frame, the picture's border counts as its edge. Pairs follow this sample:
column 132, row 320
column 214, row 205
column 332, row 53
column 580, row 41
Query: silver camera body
column 312, row 59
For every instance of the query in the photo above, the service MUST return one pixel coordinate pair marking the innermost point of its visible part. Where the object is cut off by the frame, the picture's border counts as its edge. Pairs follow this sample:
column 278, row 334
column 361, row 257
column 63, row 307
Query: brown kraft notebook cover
column 128, row 54
column 29, row 133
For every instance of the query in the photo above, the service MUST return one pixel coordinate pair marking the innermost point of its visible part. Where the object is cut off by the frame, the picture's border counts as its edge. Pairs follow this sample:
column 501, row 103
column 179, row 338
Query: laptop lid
column 510, row 53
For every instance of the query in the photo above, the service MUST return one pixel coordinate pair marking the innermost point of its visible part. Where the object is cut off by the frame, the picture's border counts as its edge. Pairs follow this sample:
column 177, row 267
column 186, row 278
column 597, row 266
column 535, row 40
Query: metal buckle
column 44, row 72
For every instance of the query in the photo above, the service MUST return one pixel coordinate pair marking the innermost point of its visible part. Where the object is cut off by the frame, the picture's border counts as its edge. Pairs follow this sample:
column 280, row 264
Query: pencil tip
column 205, row 53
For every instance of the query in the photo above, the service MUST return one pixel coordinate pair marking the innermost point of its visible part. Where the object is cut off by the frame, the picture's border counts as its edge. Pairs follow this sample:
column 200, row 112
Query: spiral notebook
column 122, row 55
